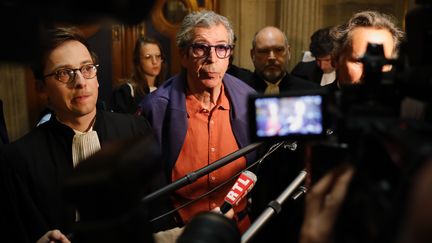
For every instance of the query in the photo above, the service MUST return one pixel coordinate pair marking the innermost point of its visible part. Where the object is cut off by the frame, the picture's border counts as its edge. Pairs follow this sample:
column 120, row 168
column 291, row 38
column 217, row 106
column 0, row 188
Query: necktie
column 272, row 88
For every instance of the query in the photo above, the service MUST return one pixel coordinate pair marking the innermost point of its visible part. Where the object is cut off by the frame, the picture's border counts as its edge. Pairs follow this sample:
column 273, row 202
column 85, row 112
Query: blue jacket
column 165, row 109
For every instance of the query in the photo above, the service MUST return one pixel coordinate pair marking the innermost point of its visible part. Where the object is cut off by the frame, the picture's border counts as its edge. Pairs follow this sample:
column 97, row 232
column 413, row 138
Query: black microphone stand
column 195, row 175
column 274, row 207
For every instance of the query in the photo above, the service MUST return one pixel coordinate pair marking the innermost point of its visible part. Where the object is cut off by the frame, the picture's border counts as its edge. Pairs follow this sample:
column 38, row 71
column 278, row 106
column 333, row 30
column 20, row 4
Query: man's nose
column 272, row 55
column 79, row 79
column 211, row 55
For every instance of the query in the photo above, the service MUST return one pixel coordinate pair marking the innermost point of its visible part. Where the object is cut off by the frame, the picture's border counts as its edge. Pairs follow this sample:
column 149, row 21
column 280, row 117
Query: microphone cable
column 199, row 197
column 273, row 148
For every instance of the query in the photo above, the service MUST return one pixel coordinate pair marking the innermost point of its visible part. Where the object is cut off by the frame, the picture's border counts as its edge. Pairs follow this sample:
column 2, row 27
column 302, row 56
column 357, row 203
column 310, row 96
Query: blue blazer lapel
column 177, row 120
column 239, row 116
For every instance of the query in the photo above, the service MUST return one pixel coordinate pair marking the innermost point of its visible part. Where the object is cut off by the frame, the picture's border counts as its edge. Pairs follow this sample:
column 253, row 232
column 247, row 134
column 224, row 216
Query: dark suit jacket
column 288, row 83
column 332, row 87
column 239, row 72
column 276, row 172
column 309, row 71
column 122, row 100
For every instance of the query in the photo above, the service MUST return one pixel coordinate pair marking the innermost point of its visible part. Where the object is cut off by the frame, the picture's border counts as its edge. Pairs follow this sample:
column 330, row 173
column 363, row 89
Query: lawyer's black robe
column 32, row 172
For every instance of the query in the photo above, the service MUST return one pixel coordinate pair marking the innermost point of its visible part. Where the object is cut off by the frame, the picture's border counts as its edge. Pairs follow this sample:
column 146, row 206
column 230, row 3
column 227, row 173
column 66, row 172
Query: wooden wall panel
column 123, row 43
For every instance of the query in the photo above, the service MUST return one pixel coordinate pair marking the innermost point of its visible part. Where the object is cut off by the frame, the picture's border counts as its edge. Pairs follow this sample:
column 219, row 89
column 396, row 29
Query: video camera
column 339, row 125
column 293, row 115
column 309, row 114
column 362, row 125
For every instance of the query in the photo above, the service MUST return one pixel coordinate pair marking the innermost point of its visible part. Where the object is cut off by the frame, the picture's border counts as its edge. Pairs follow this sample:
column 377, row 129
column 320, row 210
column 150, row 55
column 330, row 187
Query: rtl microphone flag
column 241, row 187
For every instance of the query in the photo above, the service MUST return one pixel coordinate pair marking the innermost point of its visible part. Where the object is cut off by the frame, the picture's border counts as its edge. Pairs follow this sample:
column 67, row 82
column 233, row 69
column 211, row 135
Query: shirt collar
column 275, row 84
column 223, row 102
column 194, row 106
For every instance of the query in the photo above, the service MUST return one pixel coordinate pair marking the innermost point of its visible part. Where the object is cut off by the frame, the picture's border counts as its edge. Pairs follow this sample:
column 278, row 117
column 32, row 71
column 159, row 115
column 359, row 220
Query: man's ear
column 289, row 52
column 252, row 54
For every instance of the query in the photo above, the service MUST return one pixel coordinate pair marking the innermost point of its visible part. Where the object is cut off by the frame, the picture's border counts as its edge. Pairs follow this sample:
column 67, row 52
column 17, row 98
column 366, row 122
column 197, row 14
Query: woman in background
column 148, row 74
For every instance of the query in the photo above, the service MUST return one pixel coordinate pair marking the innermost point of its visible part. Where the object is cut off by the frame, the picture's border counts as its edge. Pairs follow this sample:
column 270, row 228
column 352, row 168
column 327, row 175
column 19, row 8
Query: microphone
column 241, row 187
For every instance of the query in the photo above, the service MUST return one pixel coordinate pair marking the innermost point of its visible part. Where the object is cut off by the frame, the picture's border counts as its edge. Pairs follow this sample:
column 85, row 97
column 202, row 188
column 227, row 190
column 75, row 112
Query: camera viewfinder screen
column 288, row 116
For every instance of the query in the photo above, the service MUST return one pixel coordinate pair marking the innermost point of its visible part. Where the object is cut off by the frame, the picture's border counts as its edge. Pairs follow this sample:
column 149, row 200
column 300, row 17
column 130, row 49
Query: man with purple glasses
column 200, row 115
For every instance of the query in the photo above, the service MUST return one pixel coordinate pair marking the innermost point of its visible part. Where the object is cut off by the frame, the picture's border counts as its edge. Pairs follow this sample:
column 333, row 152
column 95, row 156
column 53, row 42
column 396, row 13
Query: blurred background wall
column 113, row 41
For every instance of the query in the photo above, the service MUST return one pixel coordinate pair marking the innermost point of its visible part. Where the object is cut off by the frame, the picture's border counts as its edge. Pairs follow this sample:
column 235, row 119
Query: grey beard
column 272, row 78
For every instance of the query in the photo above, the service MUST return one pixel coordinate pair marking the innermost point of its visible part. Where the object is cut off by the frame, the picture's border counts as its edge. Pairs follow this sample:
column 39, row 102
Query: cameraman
column 338, row 209
column 351, row 39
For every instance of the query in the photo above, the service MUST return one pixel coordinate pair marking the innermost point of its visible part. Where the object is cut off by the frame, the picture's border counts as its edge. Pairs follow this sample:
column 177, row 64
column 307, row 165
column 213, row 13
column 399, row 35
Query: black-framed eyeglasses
column 67, row 75
column 203, row 50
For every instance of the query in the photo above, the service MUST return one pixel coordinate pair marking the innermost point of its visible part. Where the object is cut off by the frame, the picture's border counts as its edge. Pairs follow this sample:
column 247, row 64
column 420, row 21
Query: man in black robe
column 320, row 70
column 34, row 167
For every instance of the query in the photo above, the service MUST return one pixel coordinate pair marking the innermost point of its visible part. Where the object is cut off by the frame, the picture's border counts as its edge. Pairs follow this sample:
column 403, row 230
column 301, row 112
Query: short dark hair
column 321, row 42
column 53, row 38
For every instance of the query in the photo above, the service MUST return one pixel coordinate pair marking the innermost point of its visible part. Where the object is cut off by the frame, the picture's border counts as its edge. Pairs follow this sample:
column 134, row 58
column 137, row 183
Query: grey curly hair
column 204, row 19
column 342, row 34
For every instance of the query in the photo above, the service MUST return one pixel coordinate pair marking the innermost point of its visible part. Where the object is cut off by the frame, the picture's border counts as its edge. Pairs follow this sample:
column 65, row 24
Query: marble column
column 247, row 17
column 299, row 19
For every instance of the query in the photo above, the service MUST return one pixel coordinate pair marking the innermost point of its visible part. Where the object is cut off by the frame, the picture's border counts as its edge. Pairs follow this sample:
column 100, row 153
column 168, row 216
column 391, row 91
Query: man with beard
column 270, row 54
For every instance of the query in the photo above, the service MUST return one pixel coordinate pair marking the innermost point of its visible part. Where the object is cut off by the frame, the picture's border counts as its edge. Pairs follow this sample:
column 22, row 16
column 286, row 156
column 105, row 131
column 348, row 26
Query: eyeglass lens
column 201, row 50
column 68, row 75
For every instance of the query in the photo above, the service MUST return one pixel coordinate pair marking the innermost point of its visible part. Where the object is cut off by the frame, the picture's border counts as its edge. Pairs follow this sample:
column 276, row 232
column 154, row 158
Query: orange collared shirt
column 209, row 137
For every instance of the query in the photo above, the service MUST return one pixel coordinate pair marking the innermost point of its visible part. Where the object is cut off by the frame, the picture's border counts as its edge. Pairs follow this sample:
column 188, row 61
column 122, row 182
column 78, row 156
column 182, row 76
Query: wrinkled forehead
column 361, row 36
column 269, row 38
column 216, row 33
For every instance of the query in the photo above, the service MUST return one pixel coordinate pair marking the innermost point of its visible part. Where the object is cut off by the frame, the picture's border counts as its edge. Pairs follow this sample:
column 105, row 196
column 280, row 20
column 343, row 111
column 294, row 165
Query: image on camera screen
column 288, row 116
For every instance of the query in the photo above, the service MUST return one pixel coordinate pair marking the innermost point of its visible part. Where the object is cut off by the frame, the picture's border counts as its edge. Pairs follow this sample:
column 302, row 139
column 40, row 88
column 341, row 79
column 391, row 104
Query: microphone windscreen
column 210, row 227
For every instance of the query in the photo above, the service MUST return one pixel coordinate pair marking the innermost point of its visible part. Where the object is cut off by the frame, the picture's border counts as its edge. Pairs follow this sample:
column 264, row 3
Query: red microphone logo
column 241, row 187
